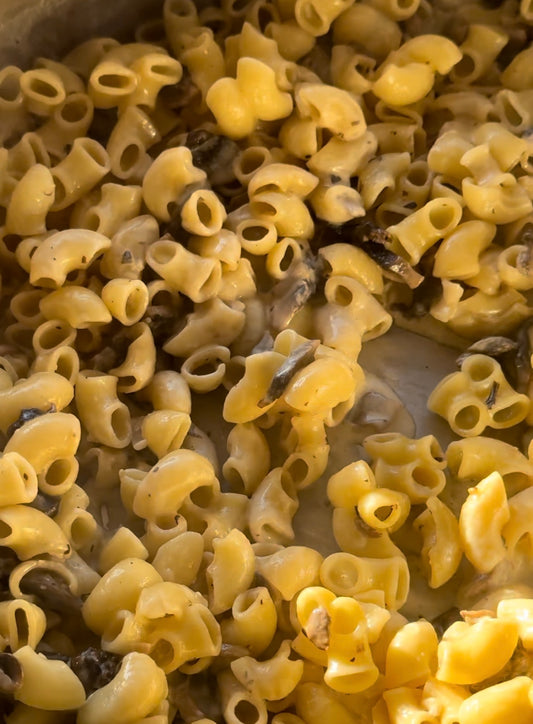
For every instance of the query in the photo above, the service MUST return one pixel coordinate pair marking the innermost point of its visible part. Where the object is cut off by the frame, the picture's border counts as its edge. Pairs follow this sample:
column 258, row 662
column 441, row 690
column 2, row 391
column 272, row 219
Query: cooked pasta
column 200, row 233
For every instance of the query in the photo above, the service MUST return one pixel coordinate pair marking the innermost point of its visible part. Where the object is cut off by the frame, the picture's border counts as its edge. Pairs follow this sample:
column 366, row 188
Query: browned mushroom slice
column 213, row 154
column 492, row 347
column 25, row 416
column 95, row 668
column 297, row 360
column 47, row 504
column 291, row 294
column 394, row 266
column 195, row 697
column 445, row 619
column 181, row 94
column 51, row 590
column 11, row 675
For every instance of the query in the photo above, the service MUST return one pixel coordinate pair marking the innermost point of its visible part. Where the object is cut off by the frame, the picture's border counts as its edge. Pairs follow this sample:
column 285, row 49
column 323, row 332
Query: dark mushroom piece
column 491, row 346
column 11, row 675
column 195, row 697
column 290, row 294
column 51, row 590
column 213, row 154
column 297, row 360
column 29, row 413
column 522, row 361
column 394, row 266
column 445, row 619
column 8, row 561
column 95, row 668
column 47, row 504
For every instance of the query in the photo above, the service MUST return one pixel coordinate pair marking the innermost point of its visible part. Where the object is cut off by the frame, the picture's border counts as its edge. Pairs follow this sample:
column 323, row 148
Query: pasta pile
column 208, row 223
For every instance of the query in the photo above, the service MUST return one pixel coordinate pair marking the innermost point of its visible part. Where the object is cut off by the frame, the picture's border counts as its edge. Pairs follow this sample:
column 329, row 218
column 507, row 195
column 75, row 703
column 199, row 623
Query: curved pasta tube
column 441, row 550
column 403, row 85
column 119, row 701
column 411, row 655
column 171, row 481
column 165, row 430
column 450, row 260
column 79, row 306
column 138, row 368
column 54, row 462
column 272, row 508
column 272, row 679
column 253, row 620
column 483, row 516
column 234, row 698
column 42, row 90
column 469, row 653
column 418, row 232
column 29, row 533
column 58, row 569
column 126, row 299
column 118, row 590
column 242, row 403
column 111, row 83
column 30, row 202
column 518, row 526
column 22, row 623
column 231, row 571
column 179, row 559
column 154, row 71
column 63, row 360
column 47, row 683
column 18, row 480
column 122, row 543
column 197, row 277
column 107, row 208
column 202, row 213
column 253, row 95
column 346, row 260
column 169, row 391
column 80, row 171
column 42, row 390
column 496, row 203
column 68, row 121
column 105, row 417
column 205, row 369
column 315, row 703
column 282, row 178
column 249, row 458
column 506, row 701
column 290, row 569
column 384, row 509
column 166, row 180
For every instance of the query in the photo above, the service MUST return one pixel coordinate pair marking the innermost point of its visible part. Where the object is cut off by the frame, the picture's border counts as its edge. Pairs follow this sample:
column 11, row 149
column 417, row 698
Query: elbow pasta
column 200, row 232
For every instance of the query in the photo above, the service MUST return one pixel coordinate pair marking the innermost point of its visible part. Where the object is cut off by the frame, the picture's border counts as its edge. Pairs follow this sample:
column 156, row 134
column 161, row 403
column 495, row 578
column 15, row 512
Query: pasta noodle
column 210, row 509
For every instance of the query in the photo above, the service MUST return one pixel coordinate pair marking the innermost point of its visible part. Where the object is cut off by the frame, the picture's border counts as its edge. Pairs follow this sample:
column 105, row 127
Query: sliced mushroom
column 213, row 154
column 394, row 266
column 297, row 360
column 51, row 591
column 95, row 668
column 181, row 94
column 195, row 697
column 47, row 504
column 25, row 416
column 290, row 294
column 11, row 675
column 445, row 619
